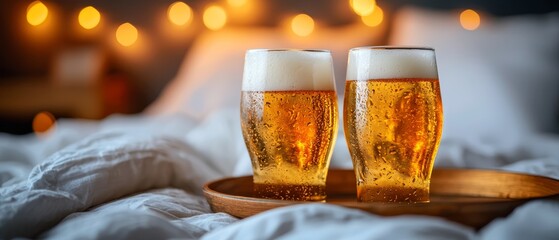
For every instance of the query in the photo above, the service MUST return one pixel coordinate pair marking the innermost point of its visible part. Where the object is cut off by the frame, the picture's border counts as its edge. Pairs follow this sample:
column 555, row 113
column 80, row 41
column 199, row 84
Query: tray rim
column 475, row 214
column 208, row 190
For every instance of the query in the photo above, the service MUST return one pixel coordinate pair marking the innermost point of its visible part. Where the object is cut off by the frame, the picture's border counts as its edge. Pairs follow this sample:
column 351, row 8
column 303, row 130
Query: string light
column 302, row 25
column 42, row 122
column 374, row 19
column 89, row 17
column 126, row 34
column 237, row 3
column 363, row 7
column 179, row 13
column 469, row 19
column 37, row 13
column 245, row 12
column 214, row 17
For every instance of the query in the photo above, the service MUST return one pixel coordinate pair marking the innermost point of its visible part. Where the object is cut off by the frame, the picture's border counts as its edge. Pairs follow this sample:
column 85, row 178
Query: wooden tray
column 471, row 197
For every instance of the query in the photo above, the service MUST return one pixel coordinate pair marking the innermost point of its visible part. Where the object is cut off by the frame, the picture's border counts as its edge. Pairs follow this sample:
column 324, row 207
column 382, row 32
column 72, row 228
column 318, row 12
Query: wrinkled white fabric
column 534, row 220
column 141, row 177
column 162, row 213
column 325, row 221
column 96, row 170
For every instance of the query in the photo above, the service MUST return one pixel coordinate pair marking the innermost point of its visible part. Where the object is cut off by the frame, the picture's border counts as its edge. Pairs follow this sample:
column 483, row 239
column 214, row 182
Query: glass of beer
column 393, row 121
column 289, row 120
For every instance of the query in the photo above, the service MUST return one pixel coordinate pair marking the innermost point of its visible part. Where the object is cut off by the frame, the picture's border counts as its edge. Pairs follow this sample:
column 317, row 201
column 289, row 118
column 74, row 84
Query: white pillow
column 500, row 81
column 211, row 74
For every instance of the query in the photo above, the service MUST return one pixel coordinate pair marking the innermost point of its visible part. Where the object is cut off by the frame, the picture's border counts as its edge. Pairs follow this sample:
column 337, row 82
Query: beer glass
column 289, row 120
column 392, row 121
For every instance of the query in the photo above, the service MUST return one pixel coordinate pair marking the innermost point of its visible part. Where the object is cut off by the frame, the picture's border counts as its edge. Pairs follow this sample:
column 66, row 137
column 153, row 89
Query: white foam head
column 284, row 70
column 367, row 63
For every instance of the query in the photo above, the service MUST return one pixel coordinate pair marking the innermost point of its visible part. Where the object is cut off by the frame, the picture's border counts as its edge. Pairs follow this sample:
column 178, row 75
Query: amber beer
column 393, row 122
column 289, row 121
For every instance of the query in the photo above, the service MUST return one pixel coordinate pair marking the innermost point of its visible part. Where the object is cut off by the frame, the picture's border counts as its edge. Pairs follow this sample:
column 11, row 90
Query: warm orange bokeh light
column 469, row 19
column 363, row 7
column 126, row 34
column 302, row 25
column 236, row 3
column 246, row 12
column 43, row 121
column 374, row 19
column 179, row 13
column 37, row 13
column 89, row 17
column 214, row 17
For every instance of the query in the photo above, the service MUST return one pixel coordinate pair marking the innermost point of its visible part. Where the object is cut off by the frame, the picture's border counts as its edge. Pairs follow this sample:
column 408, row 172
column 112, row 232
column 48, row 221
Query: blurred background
column 90, row 59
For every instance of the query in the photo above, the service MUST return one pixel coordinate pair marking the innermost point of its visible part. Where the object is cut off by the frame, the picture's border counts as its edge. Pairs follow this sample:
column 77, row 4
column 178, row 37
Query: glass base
column 290, row 192
column 392, row 194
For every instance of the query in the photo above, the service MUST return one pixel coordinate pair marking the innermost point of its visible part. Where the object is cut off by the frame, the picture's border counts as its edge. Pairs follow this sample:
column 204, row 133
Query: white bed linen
column 140, row 178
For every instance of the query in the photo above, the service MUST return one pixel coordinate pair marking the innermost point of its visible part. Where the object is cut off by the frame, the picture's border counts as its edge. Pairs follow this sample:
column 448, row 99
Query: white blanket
column 141, row 177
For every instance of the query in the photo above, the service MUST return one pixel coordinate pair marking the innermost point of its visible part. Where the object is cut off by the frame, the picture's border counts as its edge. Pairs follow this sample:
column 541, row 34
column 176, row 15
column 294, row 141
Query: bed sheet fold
column 140, row 177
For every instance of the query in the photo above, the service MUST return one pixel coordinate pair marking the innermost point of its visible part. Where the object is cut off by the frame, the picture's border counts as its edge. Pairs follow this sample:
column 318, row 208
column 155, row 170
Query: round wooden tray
column 467, row 196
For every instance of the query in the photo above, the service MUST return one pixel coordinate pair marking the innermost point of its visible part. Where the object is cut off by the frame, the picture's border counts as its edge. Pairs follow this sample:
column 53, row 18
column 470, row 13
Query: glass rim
column 287, row 50
column 390, row 47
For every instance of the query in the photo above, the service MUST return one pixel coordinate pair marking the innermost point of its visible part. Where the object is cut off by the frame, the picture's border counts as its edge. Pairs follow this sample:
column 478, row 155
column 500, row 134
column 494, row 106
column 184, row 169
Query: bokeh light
column 302, row 25
column 363, row 7
column 42, row 122
column 89, row 17
column 375, row 18
column 179, row 13
column 237, row 3
column 214, row 17
column 246, row 12
column 469, row 19
column 126, row 34
column 37, row 13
